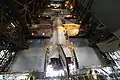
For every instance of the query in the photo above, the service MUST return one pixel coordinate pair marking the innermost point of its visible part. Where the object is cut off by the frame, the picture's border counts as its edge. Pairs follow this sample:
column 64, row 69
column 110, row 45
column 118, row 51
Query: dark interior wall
column 108, row 12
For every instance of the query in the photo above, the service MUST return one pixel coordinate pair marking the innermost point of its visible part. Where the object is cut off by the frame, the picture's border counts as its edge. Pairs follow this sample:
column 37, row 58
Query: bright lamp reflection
column 21, row 77
column 52, row 73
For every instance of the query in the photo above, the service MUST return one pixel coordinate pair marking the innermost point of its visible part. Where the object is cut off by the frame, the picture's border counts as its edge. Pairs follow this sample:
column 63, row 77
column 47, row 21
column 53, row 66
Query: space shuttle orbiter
column 60, row 32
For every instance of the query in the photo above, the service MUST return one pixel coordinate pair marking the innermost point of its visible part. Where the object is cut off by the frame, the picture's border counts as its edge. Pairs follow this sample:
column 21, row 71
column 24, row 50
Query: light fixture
column 67, row 16
column 48, row 5
column 39, row 16
column 71, row 7
column 43, row 34
column 12, row 25
column 32, row 33
column 80, row 22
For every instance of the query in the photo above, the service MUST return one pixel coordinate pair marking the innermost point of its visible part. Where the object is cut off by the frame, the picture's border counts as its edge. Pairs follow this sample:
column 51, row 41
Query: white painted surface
column 54, row 53
column 67, row 52
column 58, row 37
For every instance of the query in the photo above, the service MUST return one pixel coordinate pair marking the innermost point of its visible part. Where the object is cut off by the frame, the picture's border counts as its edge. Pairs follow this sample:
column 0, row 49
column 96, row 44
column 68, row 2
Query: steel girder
column 7, row 54
column 11, row 38
column 14, row 17
column 29, row 9
column 11, row 27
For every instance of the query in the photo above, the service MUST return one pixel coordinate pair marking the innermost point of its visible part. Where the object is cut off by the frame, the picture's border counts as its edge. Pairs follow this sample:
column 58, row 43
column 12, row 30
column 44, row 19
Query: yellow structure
column 71, row 29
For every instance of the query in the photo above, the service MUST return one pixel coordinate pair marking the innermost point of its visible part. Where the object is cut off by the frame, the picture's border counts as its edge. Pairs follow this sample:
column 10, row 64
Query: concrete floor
column 86, row 57
column 31, row 59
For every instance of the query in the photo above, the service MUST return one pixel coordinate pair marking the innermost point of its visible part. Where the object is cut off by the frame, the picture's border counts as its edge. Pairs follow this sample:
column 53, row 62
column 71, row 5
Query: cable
column 76, row 61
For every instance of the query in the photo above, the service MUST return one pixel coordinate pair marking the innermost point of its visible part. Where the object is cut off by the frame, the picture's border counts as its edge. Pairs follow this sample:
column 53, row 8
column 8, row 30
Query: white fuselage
column 58, row 38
